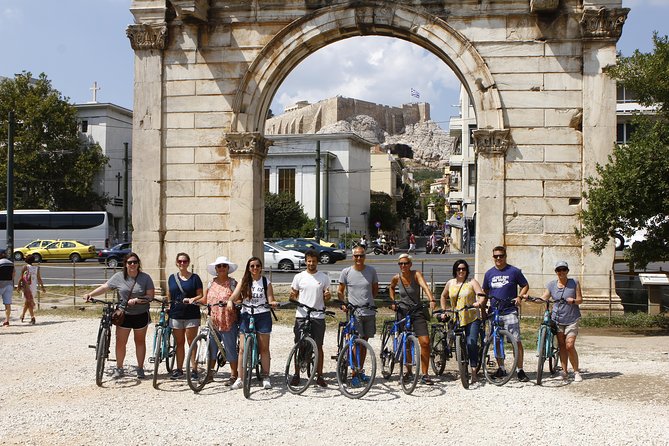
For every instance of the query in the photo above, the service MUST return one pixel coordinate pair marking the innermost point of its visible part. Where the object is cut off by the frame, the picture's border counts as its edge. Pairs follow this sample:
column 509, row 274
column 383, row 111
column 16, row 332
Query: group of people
column 358, row 284
column 29, row 279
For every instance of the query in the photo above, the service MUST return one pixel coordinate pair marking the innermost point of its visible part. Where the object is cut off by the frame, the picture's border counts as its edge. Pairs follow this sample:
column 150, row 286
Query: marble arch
column 206, row 71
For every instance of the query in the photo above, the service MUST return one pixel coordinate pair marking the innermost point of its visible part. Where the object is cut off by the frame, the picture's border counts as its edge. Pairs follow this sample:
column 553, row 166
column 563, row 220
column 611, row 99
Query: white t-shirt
column 257, row 297
column 311, row 288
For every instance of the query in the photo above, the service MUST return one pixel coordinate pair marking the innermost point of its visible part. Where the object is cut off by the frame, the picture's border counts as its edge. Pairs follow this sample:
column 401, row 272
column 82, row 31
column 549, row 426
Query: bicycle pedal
column 334, row 357
column 152, row 360
column 91, row 346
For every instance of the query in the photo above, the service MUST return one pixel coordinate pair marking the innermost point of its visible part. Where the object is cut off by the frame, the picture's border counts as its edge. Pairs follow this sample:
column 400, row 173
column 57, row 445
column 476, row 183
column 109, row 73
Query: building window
column 624, row 132
column 266, row 181
column 472, row 175
column 84, row 126
column 624, row 95
column 287, row 181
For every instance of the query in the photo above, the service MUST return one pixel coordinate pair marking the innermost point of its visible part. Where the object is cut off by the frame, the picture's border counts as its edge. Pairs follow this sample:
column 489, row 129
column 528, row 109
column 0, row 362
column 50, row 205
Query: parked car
column 323, row 242
column 21, row 253
column 281, row 258
column 325, row 254
column 113, row 257
column 72, row 250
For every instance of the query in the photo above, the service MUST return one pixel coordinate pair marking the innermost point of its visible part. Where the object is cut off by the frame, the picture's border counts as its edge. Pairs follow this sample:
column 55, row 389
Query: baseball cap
column 561, row 264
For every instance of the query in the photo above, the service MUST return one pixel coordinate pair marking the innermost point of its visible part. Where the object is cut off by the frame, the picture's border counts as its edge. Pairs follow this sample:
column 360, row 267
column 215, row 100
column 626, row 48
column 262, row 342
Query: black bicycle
column 303, row 359
column 104, row 338
column 454, row 338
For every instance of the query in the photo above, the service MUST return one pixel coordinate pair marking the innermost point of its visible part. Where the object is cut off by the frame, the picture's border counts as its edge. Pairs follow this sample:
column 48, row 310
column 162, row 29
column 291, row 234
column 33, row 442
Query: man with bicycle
column 362, row 284
column 502, row 282
column 311, row 288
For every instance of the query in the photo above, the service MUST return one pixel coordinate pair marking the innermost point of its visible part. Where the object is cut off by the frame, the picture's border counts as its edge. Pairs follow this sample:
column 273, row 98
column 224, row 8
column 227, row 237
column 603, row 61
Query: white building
column 290, row 167
column 110, row 126
column 462, row 162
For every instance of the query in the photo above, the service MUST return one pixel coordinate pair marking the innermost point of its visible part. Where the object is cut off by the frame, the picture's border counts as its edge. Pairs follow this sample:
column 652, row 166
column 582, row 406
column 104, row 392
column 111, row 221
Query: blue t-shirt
column 503, row 284
column 179, row 310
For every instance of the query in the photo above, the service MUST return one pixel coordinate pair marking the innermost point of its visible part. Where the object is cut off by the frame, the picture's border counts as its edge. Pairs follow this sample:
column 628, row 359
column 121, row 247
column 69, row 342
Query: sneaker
column 295, row 381
column 177, row 374
column 237, row 384
column 522, row 377
column 564, row 375
column 230, row 381
column 356, row 382
column 426, row 380
column 364, row 378
column 140, row 373
column 117, row 373
column 577, row 377
column 266, row 384
column 500, row 373
column 321, row 382
column 408, row 377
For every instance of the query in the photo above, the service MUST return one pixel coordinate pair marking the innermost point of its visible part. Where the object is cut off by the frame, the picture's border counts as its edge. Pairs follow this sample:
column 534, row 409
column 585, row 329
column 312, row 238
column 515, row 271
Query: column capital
column 603, row 23
column 492, row 141
column 247, row 144
column 147, row 36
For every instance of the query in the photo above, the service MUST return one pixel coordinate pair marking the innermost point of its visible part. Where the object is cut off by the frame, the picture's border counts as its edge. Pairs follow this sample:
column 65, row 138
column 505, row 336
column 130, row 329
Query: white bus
column 91, row 227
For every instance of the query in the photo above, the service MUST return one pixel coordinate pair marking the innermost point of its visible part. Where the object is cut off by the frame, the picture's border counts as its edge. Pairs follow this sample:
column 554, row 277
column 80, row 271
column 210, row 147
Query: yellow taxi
column 21, row 253
column 72, row 250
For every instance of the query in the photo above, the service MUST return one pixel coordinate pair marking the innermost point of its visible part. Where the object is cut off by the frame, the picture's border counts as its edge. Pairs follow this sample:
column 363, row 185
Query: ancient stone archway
column 206, row 72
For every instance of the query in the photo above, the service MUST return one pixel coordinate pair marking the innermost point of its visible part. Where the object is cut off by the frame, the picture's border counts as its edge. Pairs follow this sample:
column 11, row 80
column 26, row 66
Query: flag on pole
column 415, row 93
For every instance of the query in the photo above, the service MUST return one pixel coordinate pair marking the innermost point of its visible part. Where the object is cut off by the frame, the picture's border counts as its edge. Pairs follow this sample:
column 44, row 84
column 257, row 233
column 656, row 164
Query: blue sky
column 77, row 42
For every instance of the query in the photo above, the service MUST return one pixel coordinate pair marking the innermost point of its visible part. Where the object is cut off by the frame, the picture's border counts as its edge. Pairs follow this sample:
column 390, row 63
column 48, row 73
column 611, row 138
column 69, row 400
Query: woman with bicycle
column 410, row 283
column 183, row 287
column 566, row 313
column 461, row 292
column 256, row 290
column 225, row 319
column 135, row 291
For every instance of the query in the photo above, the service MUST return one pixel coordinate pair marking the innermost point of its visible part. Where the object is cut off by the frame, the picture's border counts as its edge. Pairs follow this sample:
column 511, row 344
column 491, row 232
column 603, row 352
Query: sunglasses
column 255, row 266
column 358, row 255
column 461, row 269
column 499, row 256
column 222, row 265
column 561, row 270
column 132, row 262
column 403, row 263
column 183, row 262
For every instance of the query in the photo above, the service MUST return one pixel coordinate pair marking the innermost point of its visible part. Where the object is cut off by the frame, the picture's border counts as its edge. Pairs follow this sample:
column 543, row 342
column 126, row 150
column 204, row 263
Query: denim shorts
column 229, row 339
column 182, row 324
column 7, row 291
column 263, row 322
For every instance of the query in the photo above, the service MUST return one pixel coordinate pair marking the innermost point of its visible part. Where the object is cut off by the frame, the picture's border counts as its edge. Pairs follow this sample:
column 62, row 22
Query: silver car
column 283, row 259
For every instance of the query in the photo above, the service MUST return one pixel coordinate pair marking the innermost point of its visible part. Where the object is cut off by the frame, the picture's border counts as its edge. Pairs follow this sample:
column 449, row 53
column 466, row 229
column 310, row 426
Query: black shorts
column 418, row 321
column 317, row 329
column 136, row 321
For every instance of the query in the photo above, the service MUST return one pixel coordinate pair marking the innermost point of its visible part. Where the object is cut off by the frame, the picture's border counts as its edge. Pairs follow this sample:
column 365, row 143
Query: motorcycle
column 383, row 248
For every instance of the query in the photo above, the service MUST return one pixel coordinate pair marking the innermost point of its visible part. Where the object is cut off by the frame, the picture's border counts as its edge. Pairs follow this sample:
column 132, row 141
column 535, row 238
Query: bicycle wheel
column 101, row 353
column 554, row 356
column 171, row 354
column 541, row 353
column 304, row 357
column 350, row 374
column 501, row 354
column 200, row 349
column 157, row 354
column 410, row 357
column 247, row 365
column 463, row 359
column 387, row 353
column 438, row 356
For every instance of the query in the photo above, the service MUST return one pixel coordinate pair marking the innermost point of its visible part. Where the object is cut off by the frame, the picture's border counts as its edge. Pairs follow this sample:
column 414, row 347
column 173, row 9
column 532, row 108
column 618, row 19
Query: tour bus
column 90, row 227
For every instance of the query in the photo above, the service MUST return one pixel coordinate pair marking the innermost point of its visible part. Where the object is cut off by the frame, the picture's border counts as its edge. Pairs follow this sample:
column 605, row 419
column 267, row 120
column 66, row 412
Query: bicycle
column 455, row 335
column 399, row 344
column 353, row 382
column 303, row 357
column 547, row 347
column 251, row 359
column 498, row 338
column 442, row 343
column 164, row 344
column 198, row 358
column 104, row 338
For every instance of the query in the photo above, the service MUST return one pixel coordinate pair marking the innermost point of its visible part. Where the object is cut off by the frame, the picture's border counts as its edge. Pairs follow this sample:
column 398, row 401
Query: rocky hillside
column 431, row 144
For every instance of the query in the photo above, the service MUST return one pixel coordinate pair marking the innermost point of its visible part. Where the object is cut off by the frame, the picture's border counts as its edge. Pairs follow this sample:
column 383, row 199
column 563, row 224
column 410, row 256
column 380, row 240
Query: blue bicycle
column 352, row 353
column 547, row 347
column 251, row 359
column 500, row 350
column 164, row 344
column 399, row 344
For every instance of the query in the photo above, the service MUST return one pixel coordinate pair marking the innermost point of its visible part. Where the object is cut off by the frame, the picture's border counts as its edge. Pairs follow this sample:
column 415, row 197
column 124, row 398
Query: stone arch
column 314, row 31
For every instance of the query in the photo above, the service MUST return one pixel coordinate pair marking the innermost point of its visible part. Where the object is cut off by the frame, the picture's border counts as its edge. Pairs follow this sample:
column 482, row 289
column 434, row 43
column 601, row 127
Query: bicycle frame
column 400, row 336
column 164, row 351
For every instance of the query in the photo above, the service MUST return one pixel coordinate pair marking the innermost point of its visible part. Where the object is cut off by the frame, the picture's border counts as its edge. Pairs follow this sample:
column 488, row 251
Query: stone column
column 148, row 41
column 247, row 210
column 600, row 28
column 490, row 148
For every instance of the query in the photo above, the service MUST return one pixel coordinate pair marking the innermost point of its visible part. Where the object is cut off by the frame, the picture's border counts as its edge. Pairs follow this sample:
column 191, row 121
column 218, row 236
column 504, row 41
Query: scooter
column 381, row 249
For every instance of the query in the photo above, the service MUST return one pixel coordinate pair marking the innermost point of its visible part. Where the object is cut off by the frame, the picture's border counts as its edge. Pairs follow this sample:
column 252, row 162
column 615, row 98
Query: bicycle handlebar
column 356, row 307
column 100, row 301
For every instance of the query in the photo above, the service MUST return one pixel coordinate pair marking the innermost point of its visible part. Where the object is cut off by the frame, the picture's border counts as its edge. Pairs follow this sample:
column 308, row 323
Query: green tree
column 631, row 191
column 406, row 207
column 284, row 217
column 54, row 168
column 381, row 210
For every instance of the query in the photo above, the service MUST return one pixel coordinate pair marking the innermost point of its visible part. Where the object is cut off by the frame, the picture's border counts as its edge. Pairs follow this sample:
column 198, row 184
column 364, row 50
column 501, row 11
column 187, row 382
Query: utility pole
column 125, row 194
column 318, row 191
column 10, row 187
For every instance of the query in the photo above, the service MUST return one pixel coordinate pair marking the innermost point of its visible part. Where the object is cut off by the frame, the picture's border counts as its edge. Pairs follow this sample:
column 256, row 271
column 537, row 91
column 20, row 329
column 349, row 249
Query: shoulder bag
column 119, row 314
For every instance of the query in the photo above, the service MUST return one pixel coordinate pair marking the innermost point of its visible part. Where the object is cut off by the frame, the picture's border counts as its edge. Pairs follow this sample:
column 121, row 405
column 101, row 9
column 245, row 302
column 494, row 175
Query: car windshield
column 277, row 247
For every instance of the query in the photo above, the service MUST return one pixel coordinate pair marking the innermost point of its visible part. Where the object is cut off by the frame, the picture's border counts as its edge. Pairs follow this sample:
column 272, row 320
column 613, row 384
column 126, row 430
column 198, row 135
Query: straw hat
column 211, row 268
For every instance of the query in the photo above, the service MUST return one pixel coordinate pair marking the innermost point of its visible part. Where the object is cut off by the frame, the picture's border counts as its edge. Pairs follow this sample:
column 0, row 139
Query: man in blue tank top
column 502, row 282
